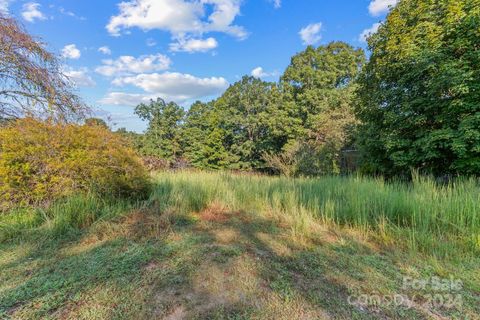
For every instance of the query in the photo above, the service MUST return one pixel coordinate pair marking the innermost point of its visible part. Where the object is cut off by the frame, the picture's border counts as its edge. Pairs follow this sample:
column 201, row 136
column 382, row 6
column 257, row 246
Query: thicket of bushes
column 41, row 162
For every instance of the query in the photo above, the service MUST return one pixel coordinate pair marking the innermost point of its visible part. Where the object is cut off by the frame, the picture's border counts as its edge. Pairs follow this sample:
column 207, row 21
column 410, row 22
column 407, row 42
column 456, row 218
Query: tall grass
column 62, row 218
column 436, row 219
column 424, row 216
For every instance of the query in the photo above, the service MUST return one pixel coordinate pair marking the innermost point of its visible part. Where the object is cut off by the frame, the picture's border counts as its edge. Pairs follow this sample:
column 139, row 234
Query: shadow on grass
column 43, row 272
column 320, row 276
column 46, row 283
column 241, row 267
column 212, row 265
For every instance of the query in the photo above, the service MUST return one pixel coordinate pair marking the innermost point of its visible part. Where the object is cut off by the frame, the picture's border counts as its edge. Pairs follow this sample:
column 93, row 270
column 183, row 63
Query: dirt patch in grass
column 233, row 288
column 226, row 235
column 214, row 213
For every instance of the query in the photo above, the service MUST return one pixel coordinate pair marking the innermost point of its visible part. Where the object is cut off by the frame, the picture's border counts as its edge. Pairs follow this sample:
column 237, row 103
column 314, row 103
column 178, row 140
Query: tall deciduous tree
column 308, row 114
column 255, row 120
column 320, row 82
column 420, row 92
column 203, row 138
column 320, row 79
column 163, row 136
column 31, row 80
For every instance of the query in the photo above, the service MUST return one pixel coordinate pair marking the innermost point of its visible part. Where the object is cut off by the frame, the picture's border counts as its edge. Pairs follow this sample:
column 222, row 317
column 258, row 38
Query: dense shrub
column 42, row 161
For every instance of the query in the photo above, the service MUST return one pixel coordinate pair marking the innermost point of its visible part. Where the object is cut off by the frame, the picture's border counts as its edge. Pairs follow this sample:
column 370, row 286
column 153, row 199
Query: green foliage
column 253, row 119
column 203, row 138
column 320, row 79
column 320, row 84
column 296, row 159
column 232, row 132
column 419, row 93
column 320, row 152
column 163, row 136
column 41, row 162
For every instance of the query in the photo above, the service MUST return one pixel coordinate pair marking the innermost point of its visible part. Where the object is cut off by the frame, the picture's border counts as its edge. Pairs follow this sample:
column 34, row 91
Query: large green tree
column 321, row 79
column 320, row 83
column 420, row 91
column 203, row 138
column 164, row 134
column 254, row 120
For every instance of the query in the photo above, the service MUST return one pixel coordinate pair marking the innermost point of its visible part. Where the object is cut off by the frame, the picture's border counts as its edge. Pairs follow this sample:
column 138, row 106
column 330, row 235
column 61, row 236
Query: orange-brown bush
column 43, row 161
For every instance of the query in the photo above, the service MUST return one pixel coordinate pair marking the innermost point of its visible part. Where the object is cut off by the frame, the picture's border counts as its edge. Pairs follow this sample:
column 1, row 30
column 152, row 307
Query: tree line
column 413, row 104
column 302, row 122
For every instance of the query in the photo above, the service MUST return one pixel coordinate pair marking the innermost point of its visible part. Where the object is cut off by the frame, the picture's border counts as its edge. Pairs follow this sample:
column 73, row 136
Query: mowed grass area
column 224, row 246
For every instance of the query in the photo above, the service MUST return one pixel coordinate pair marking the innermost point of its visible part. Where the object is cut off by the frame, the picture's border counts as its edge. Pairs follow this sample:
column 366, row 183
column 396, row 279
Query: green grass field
column 224, row 246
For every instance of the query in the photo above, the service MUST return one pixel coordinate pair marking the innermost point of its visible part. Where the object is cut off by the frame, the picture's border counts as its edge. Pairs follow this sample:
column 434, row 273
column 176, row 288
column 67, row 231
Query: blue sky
column 120, row 53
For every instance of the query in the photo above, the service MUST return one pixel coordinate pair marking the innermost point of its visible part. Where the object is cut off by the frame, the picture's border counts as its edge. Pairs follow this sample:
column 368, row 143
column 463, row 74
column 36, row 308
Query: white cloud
column 194, row 45
column 378, row 7
column 172, row 86
column 260, row 73
column 4, row 4
column 311, row 34
column 367, row 32
column 125, row 99
column 179, row 17
column 70, row 13
column 175, row 84
column 30, row 12
column 105, row 50
column 66, row 12
column 80, row 77
column 71, row 52
column 277, row 3
column 125, row 65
